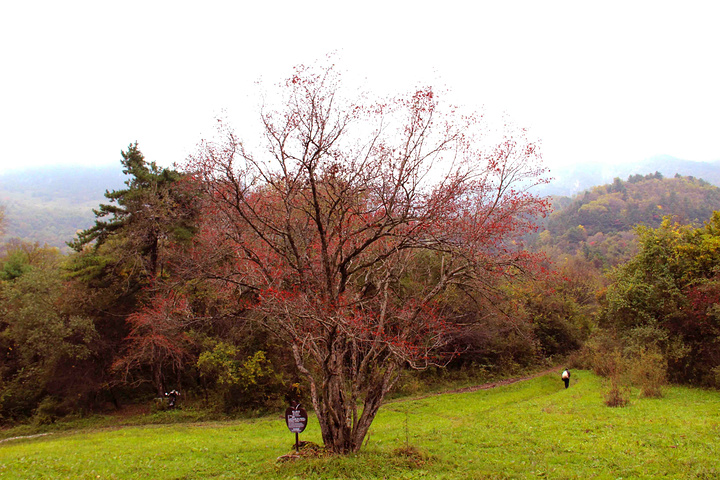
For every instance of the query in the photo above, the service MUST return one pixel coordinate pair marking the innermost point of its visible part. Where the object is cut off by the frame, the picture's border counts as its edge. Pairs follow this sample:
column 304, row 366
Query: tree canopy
column 666, row 298
column 321, row 229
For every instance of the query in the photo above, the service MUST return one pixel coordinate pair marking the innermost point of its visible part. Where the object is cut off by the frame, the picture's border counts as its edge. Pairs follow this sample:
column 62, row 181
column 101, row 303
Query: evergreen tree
column 152, row 209
column 121, row 261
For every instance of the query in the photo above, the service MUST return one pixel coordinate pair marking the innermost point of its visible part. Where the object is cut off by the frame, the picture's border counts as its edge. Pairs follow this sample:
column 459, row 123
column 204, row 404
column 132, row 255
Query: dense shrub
column 665, row 299
column 248, row 383
column 648, row 371
column 618, row 395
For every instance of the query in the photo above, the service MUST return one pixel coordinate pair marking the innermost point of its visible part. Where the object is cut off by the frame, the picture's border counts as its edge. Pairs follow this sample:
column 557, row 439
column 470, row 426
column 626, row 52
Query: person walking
column 566, row 377
column 172, row 398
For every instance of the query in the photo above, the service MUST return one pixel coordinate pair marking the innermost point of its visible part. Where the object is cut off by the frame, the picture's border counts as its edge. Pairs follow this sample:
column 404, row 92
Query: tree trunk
column 158, row 380
column 342, row 431
column 336, row 424
column 374, row 396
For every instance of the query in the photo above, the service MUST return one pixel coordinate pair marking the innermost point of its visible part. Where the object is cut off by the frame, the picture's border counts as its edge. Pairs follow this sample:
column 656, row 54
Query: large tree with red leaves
column 342, row 234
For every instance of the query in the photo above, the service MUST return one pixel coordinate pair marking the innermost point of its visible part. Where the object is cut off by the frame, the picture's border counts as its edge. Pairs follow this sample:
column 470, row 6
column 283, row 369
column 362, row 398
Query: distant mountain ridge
column 570, row 180
column 50, row 204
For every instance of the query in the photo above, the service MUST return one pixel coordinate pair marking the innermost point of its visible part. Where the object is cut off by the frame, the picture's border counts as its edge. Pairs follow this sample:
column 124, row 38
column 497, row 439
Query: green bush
column 21, row 396
column 159, row 404
column 249, row 383
column 48, row 411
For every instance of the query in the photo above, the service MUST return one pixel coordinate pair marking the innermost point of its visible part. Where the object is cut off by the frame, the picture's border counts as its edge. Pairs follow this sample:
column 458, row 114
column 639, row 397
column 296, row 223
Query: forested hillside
column 599, row 222
column 49, row 205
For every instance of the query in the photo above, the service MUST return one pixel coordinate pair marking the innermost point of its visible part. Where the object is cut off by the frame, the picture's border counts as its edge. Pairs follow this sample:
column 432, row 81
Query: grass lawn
column 530, row 429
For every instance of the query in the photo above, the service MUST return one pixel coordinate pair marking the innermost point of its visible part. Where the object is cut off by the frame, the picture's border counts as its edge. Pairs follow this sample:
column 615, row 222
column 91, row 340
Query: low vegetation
column 530, row 429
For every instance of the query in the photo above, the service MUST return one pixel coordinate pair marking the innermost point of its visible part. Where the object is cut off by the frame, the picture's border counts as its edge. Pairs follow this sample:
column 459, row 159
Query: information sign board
column 296, row 419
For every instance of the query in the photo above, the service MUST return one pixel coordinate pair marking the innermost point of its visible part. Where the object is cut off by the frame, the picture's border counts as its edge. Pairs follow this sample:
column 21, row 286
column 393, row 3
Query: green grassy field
column 530, row 429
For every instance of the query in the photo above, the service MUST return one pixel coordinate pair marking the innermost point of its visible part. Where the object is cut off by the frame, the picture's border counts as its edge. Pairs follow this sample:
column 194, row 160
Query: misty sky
column 596, row 82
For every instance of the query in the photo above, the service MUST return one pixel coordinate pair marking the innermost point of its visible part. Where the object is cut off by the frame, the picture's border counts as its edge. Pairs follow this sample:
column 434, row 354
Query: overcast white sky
column 595, row 81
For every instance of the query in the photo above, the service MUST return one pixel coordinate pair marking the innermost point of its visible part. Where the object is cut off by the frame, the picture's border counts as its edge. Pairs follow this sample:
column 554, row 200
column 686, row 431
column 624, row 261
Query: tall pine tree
column 151, row 210
column 121, row 261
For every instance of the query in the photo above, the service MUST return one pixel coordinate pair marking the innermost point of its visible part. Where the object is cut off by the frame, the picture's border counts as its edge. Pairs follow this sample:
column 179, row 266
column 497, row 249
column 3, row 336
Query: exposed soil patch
column 499, row 383
column 24, row 437
column 484, row 386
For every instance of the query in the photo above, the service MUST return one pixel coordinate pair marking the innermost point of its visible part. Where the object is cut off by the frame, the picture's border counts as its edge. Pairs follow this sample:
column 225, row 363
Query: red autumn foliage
column 323, row 230
column 157, row 338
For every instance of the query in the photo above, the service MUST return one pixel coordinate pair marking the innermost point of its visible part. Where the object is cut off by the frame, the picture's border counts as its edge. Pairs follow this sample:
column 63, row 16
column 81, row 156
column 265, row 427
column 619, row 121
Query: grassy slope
column 533, row 429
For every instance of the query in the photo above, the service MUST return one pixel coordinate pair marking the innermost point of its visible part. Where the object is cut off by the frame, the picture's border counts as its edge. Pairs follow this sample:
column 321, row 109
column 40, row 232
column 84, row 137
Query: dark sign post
column 296, row 419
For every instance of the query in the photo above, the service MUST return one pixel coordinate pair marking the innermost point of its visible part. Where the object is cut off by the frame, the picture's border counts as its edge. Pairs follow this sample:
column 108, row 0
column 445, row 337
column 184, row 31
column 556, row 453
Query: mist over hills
column 50, row 204
column 573, row 179
column 69, row 183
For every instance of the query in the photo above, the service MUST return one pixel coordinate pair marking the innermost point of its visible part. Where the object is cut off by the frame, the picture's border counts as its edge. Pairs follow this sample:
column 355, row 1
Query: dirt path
column 26, row 436
column 484, row 386
column 499, row 383
column 474, row 388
